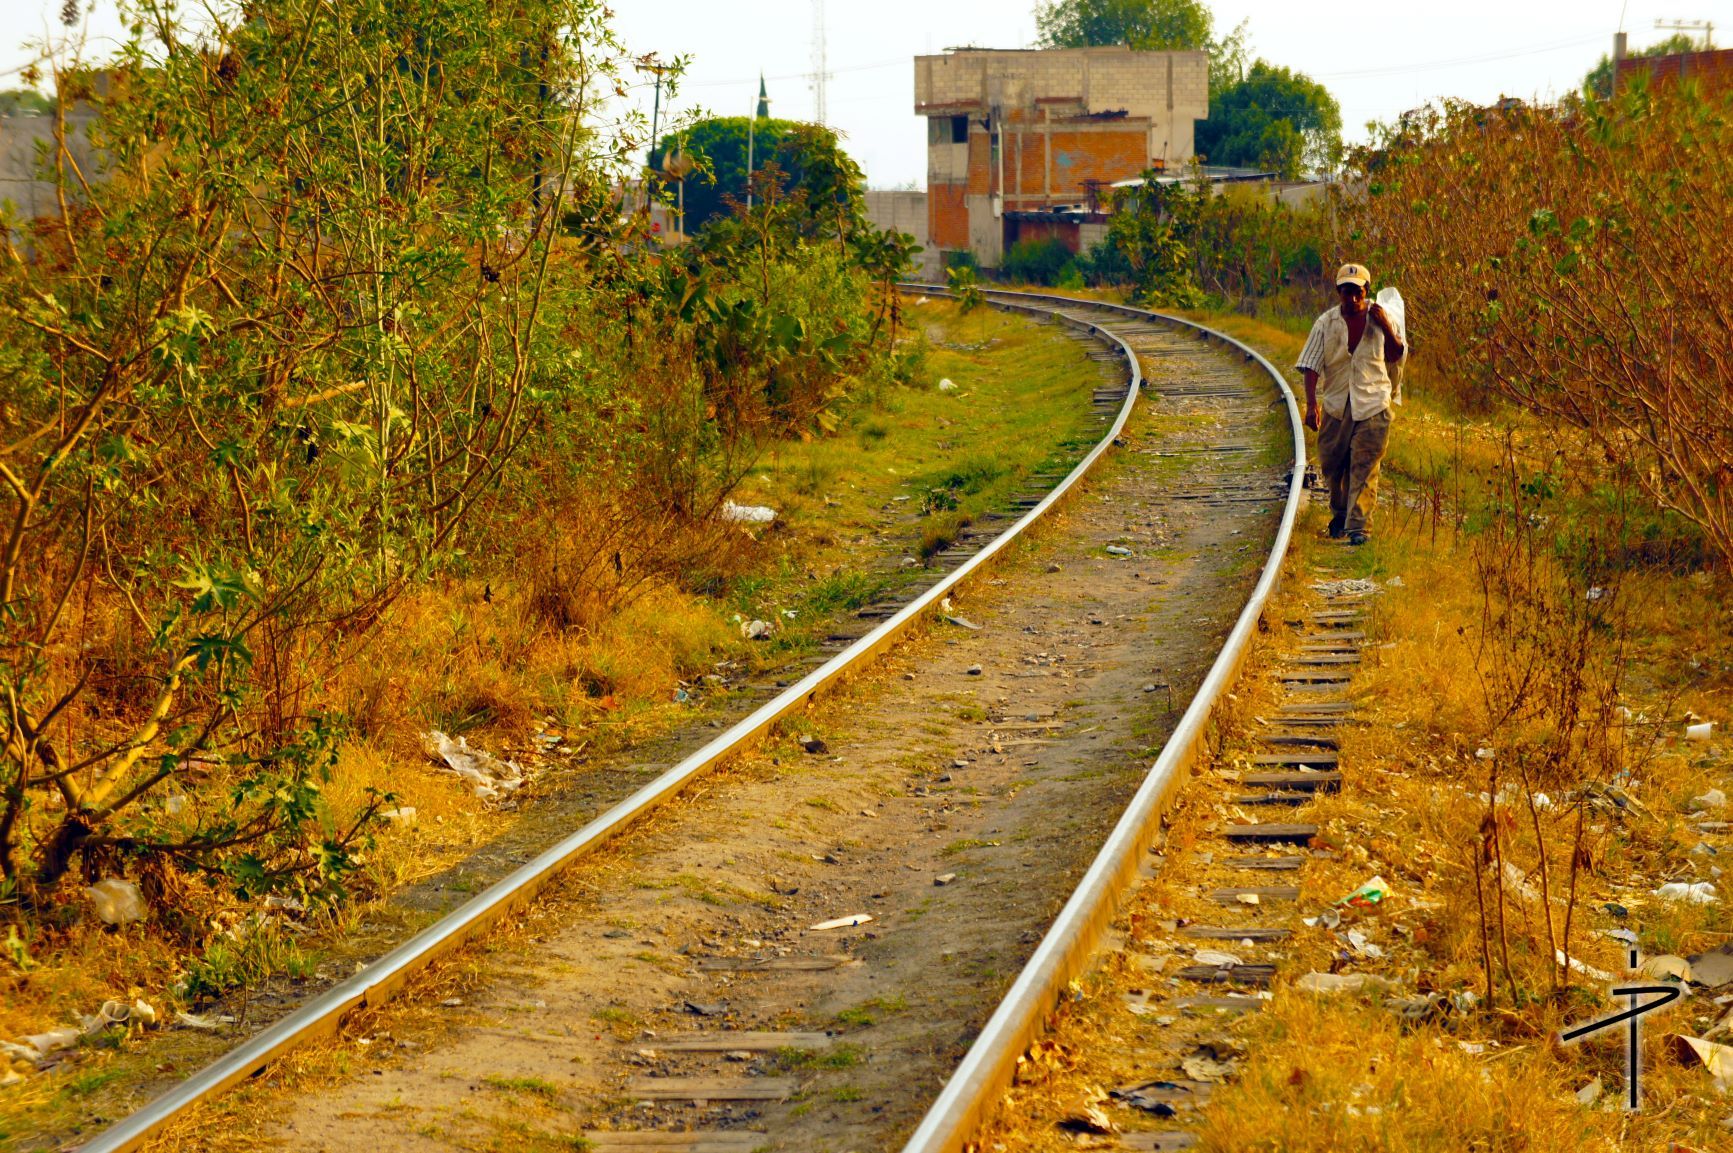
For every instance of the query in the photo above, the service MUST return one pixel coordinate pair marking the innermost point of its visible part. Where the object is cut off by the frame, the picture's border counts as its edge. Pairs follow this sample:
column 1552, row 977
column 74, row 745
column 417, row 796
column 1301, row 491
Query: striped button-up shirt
column 1356, row 385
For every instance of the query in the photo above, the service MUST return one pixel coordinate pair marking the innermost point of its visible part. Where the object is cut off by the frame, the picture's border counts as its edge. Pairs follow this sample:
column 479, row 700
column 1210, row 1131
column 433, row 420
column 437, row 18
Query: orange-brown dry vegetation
column 493, row 656
column 1520, row 774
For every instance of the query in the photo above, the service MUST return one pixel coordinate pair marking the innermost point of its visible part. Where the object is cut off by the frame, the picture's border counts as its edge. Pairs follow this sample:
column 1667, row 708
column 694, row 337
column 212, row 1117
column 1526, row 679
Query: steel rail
column 1077, row 933
column 387, row 977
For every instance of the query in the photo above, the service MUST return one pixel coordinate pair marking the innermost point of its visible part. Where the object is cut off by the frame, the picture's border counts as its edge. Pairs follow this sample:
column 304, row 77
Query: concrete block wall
column 986, row 231
column 23, row 139
column 1100, row 79
column 902, row 210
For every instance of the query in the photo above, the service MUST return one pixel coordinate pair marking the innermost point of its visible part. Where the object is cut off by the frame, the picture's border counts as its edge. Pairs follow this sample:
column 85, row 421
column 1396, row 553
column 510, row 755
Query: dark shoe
column 1358, row 538
column 1335, row 529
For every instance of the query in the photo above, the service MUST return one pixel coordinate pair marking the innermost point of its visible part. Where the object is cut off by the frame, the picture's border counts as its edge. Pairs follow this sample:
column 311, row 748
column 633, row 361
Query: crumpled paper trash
column 490, row 775
column 1344, row 983
column 1718, row 1059
column 202, row 1021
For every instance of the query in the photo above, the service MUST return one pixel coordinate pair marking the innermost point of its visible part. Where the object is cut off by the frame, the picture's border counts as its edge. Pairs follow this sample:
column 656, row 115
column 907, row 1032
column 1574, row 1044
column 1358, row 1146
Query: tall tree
column 256, row 372
column 808, row 157
column 1274, row 118
column 14, row 100
column 1156, row 25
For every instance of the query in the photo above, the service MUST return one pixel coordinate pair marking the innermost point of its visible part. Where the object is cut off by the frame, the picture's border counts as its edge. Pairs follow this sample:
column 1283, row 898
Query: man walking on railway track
column 1354, row 426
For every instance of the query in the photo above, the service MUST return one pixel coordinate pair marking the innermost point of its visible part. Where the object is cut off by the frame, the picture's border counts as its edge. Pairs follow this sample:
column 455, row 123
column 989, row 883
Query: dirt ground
column 965, row 784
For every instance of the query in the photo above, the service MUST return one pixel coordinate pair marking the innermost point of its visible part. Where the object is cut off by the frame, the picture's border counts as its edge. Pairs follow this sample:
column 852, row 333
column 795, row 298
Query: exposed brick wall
column 980, row 161
column 1063, row 230
column 1100, row 156
column 947, row 219
column 1713, row 69
column 1099, row 153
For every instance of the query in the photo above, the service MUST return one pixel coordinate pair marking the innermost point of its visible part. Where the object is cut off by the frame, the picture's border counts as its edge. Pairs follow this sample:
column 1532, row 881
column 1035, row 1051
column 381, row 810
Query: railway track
column 1213, row 471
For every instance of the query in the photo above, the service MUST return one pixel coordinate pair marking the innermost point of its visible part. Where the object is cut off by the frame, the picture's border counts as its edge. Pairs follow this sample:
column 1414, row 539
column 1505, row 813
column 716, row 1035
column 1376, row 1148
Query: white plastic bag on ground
column 486, row 772
column 747, row 513
column 118, row 902
column 1701, row 893
column 1390, row 300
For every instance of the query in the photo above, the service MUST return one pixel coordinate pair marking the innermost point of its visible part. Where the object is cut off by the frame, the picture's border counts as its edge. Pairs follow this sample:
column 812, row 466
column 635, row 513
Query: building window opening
column 959, row 130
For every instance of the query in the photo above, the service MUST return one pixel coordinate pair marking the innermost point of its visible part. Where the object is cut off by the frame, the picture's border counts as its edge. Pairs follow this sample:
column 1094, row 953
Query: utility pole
column 652, row 64
column 1707, row 28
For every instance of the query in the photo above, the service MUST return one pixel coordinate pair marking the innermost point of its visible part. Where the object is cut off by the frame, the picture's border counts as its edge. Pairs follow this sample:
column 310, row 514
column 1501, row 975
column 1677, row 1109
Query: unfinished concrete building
column 1022, row 143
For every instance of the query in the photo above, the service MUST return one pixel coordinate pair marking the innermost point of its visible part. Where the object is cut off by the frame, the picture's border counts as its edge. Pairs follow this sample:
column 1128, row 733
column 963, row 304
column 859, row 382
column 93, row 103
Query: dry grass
column 1347, row 1072
column 1415, row 812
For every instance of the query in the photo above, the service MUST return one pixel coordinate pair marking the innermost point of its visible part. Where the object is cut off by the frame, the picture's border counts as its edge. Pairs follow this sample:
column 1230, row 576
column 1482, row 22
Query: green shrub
column 1043, row 261
column 961, row 280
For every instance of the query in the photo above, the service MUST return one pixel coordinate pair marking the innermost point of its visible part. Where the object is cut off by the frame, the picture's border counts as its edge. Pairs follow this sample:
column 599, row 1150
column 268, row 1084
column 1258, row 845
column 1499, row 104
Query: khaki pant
column 1348, row 455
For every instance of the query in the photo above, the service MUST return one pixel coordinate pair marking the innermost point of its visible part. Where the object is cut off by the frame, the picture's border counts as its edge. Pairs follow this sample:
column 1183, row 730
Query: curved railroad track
column 1231, row 475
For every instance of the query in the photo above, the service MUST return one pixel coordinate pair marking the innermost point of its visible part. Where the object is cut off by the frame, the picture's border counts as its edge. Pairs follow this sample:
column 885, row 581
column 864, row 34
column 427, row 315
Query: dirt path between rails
column 998, row 757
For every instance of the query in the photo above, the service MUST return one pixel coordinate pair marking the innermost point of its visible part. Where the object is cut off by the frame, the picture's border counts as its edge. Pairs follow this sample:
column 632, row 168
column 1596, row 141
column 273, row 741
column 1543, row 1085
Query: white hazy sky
column 1380, row 60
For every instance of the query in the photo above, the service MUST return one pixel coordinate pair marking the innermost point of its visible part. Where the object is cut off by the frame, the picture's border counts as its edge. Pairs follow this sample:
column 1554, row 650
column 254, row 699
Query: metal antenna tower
column 820, row 68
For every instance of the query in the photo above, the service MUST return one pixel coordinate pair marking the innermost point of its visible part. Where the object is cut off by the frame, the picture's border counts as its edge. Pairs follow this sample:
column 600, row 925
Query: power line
column 799, row 75
column 1399, row 69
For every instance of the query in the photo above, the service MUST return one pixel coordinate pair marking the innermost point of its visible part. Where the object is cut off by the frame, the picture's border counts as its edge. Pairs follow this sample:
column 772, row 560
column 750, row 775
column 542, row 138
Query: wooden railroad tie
column 1236, row 932
column 1262, row 893
column 1231, row 1003
column 1275, row 797
column 1299, row 740
column 1156, row 1142
column 743, row 1041
column 1313, row 782
column 694, row 1141
column 1268, row 864
column 711, row 1088
column 1272, row 834
column 1255, row 975
column 1316, row 760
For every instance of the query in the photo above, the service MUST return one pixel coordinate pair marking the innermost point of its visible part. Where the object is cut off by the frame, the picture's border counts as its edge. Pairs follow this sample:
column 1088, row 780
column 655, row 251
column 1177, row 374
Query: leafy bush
column 1573, row 260
column 1176, row 242
column 961, row 281
column 1044, row 261
column 331, row 349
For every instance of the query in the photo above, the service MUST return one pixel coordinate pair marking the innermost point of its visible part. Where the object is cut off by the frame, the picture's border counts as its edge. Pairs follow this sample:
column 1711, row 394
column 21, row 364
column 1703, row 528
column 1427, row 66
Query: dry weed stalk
column 1550, row 657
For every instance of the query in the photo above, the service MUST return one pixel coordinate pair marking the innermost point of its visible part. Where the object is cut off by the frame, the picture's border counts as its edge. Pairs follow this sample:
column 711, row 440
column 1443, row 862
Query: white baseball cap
column 1353, row 274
